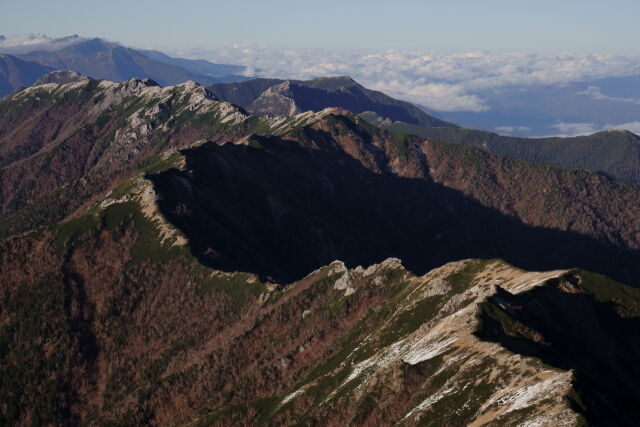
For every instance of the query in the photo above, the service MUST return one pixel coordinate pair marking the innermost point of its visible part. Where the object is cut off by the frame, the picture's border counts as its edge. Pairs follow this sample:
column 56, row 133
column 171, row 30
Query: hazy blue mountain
column 102, row 59
column 196, row 66
column 16, row 73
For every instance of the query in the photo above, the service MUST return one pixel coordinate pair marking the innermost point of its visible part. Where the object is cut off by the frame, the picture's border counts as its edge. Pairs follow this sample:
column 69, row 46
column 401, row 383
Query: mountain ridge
column 287, row 97
column 102, row 59
column 178, row 267
column 127, row 132
column 16, row 73
column 106, row 60
column 614, row 154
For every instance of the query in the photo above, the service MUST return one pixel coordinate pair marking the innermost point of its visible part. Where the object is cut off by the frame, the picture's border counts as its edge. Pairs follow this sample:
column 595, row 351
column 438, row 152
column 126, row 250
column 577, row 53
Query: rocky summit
column 170, row 256
column 289, row 97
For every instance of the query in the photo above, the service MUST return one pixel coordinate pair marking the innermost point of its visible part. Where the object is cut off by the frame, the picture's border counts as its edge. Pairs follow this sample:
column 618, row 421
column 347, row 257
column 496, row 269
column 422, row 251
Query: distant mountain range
column 16, row 73
column 102, row 59
column 197, row 66
column 614, row 154
column 525, row 108
column 290, row 97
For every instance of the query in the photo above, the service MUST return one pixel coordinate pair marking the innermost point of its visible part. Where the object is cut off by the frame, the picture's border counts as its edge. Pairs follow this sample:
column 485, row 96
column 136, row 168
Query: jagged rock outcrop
column 276, row 101
column 62, row 145
column 60, row 77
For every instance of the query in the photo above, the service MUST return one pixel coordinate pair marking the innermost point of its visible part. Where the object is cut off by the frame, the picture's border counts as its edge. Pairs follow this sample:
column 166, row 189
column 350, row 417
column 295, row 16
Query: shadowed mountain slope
column 279, row 210
column 168, row 258
column 361, row 193
column 145, row 334
column 535, row 323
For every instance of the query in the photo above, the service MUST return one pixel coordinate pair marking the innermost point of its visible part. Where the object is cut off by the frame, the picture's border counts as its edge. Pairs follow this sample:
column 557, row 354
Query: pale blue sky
column 498, row 25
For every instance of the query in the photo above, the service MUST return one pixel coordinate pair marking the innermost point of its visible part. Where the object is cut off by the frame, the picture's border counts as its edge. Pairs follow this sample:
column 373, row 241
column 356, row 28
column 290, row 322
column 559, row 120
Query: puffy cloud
column 596, row 93
column 439, row 81
column 438, row 96
column 574, row 129
column 577, row 129
column 504, row 130
column 630, row 126
column 509, row 130
column 33, row 42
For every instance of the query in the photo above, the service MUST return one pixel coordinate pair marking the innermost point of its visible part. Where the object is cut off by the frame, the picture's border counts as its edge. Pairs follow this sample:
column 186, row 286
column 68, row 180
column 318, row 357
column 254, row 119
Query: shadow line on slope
column 568, row 329
column 282, row 211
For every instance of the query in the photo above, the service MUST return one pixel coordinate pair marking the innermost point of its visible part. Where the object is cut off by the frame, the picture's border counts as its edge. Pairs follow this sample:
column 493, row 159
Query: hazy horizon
column 463, row 25
column 466, row 60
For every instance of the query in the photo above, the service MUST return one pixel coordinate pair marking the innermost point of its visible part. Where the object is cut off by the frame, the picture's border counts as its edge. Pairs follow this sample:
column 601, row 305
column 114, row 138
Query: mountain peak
column 332, row 83
column 60, row 77
column 271, row 97
column 36, row 42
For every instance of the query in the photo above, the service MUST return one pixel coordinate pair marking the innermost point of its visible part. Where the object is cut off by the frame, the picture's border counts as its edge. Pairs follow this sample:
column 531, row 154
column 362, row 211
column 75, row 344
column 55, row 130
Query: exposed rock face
column 466, row 380
column 277, row 101
column 62, row 145
column 60, row 77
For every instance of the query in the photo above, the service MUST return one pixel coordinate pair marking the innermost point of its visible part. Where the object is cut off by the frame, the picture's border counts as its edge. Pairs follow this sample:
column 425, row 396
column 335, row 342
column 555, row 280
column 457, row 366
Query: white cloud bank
column 509, row 130
column 630, row 126
column 567, row 129
column 33, row 42
column 574, row 129
column 439, row 81
column 442, row 82
column 595, row 92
